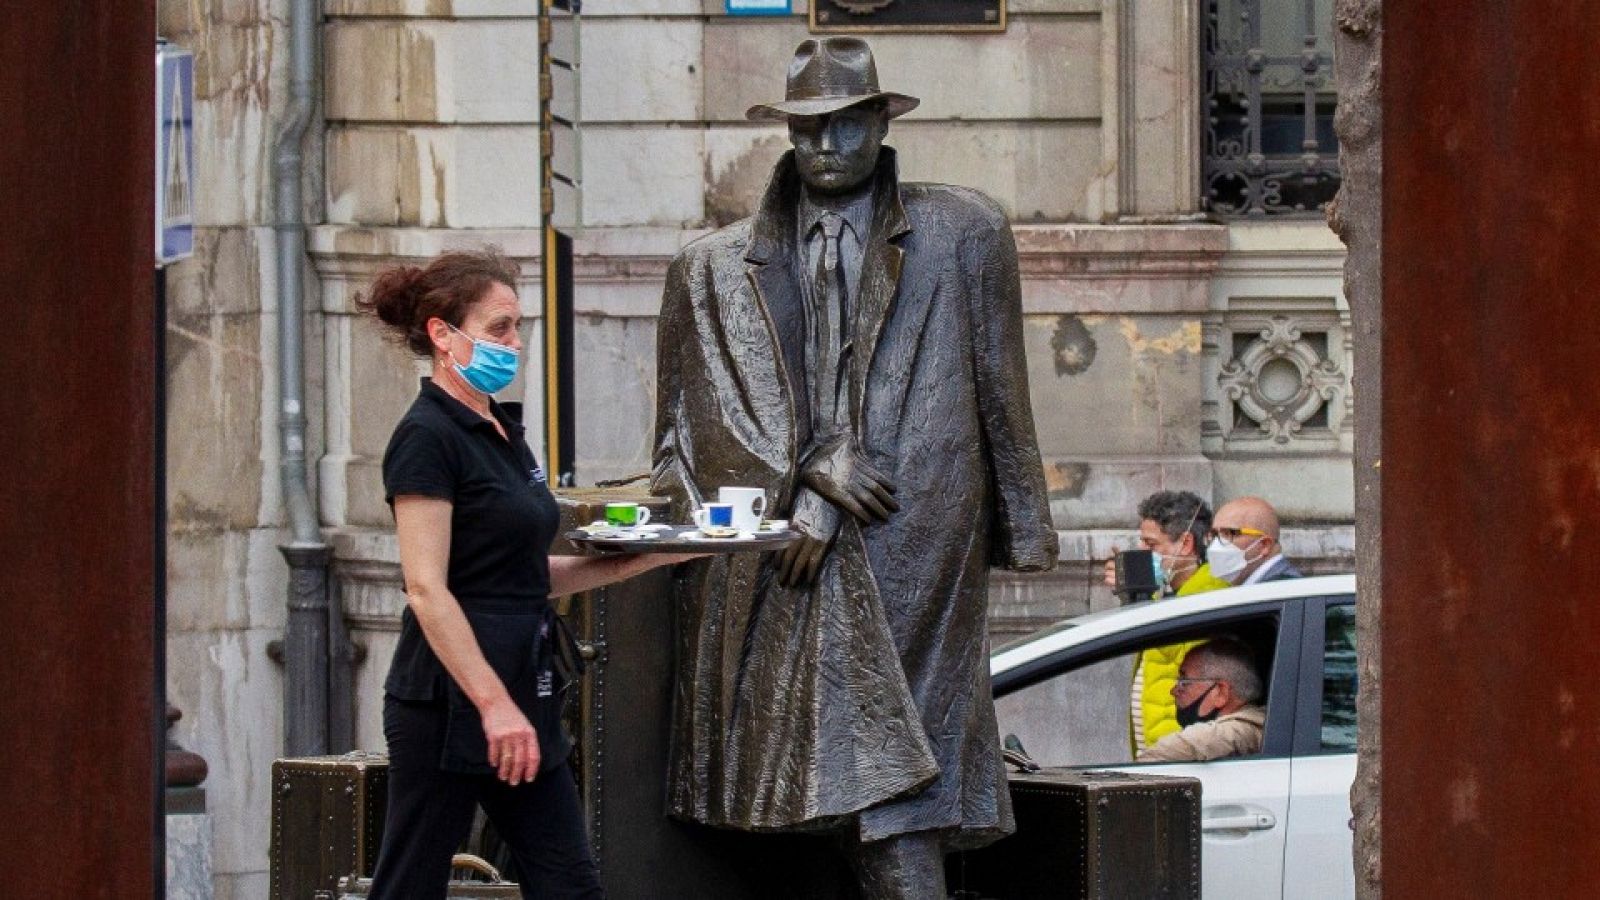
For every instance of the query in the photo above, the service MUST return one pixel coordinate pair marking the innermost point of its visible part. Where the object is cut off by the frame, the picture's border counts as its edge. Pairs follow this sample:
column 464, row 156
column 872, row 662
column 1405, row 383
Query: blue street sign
column 758, row 7
column 174, row 154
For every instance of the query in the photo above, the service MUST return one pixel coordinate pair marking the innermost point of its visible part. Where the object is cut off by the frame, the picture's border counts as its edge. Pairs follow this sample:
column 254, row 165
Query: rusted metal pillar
column 80, row 720
column 1491, row 449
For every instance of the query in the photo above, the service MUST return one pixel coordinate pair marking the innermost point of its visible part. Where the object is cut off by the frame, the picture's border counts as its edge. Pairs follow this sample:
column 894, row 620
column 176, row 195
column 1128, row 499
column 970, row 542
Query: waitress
column 472, row 702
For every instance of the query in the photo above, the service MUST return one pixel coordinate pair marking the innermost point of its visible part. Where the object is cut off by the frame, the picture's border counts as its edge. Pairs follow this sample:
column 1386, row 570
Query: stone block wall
column 1022, row 122
column 226, row 581
column 432, row 116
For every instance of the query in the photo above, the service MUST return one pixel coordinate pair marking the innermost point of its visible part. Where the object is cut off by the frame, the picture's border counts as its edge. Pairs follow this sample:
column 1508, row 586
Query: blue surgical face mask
column 493, row 365
column 1163, row 577
column 1168, row 565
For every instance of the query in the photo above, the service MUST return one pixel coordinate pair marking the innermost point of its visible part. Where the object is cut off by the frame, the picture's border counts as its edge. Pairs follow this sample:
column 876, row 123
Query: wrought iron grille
column 1269, row 98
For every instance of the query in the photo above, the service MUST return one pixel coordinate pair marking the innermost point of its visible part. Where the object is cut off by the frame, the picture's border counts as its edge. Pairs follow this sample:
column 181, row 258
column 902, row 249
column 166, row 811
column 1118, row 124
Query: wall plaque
column 834, row 16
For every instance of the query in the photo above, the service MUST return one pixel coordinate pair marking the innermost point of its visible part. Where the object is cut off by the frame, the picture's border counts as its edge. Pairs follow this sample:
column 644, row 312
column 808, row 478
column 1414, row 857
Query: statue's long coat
column 868, row 694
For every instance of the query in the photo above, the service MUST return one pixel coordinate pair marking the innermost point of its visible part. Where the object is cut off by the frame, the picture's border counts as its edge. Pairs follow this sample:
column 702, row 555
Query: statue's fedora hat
column 828, row 75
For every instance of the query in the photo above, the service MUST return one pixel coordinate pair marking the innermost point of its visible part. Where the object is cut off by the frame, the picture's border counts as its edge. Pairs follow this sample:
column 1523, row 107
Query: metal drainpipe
column 306, row 639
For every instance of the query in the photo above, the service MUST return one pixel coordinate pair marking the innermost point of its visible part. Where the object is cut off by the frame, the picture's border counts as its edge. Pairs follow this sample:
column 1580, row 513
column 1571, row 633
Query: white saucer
column 697, row 536
column 600, row 532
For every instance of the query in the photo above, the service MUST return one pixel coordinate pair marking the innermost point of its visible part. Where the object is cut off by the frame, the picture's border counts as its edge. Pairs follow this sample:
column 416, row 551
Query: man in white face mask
column 1243, row 546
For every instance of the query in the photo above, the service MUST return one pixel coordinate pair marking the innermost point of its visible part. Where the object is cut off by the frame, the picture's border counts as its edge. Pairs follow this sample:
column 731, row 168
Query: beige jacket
column 1236, row 734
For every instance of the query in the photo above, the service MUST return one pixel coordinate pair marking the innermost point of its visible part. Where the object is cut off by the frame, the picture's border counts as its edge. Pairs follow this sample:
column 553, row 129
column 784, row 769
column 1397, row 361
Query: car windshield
column 1032, row 636
column 1064, row 625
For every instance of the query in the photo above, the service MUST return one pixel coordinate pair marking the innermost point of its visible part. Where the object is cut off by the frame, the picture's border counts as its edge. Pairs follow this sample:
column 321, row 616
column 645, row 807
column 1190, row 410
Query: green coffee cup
column 627, row 515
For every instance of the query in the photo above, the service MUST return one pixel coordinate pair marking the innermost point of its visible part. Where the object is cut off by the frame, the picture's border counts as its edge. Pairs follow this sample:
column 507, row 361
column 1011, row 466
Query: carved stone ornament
column 1281, row 381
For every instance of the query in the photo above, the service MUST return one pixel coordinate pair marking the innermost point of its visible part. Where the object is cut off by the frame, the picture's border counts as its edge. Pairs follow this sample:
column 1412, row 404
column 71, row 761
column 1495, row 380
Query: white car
column 1274, row 825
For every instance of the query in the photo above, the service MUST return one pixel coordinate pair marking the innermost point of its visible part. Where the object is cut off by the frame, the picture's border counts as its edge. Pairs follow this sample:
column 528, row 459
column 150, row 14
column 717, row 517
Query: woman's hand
column 513, row 744
column 576, row 574
column 672, row 559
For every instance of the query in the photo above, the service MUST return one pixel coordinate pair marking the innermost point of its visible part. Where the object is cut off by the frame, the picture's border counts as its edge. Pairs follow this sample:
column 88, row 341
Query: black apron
column 533, row 652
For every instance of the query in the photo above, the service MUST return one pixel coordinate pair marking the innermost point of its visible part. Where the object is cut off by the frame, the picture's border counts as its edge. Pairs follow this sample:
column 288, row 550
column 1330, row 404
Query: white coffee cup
column 748, row 505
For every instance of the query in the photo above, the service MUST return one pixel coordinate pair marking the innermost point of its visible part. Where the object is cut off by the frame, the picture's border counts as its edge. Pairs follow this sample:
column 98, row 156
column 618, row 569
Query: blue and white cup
column 714, row 515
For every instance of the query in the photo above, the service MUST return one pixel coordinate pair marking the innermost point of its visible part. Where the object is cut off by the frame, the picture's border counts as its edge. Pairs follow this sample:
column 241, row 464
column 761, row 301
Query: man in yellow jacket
column 1172, row 526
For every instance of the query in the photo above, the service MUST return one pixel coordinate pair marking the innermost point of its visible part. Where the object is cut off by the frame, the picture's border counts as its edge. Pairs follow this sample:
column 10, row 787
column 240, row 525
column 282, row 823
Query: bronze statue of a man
column 855, row 349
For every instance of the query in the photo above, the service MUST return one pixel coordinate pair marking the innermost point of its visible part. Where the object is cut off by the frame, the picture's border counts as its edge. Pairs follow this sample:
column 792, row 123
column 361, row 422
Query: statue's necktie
column 833, row 343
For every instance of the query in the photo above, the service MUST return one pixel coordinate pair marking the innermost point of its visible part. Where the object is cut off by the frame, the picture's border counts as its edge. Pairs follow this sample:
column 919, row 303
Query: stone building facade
column 1168, row 348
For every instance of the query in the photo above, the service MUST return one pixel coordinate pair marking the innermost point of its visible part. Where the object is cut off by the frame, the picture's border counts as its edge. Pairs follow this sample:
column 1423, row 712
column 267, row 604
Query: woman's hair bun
column 394, row 296
column 405, row 298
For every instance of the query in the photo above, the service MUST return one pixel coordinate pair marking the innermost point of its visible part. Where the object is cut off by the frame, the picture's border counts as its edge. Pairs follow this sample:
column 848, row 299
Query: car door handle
column 1248, row 821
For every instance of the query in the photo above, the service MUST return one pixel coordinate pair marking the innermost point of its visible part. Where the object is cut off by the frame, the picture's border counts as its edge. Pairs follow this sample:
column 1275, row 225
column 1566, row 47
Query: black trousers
column 430, row 814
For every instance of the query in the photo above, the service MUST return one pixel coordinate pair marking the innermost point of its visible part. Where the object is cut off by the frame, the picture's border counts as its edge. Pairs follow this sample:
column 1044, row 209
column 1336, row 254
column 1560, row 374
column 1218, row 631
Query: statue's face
column 837, row 153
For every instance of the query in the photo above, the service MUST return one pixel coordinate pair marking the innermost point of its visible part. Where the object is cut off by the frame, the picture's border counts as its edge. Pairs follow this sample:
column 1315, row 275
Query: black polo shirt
column 503, row 519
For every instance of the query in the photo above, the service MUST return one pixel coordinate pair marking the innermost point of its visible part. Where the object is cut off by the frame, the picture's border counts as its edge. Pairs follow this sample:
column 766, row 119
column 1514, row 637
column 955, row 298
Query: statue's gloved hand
column 817, row 520
column 837, row 470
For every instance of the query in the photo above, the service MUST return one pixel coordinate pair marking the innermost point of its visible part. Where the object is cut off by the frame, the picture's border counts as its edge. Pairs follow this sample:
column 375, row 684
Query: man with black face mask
column 1218, row 695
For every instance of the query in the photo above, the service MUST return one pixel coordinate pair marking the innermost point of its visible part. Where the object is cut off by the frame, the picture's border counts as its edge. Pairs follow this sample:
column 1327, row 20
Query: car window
column 1339, row 679
column 1079, row 717
column 1093, row 712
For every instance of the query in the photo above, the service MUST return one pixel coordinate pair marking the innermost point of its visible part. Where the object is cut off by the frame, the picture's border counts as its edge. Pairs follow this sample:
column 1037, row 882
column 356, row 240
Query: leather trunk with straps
column 1090, row 836
column 327, row 821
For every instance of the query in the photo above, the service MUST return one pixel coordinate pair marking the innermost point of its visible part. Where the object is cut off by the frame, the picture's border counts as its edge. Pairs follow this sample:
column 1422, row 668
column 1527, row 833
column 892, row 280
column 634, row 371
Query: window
column 1339, row 680
column 1268, row 107
column 1082, row 713
column 1079, row 717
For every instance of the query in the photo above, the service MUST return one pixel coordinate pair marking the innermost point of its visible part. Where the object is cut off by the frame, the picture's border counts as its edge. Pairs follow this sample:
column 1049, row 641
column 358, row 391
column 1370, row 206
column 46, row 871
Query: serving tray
column 680, row 539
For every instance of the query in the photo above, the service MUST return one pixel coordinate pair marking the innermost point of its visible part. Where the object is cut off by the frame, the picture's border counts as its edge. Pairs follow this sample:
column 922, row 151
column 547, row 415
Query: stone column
column 1357, row 216
column 1153, row 53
